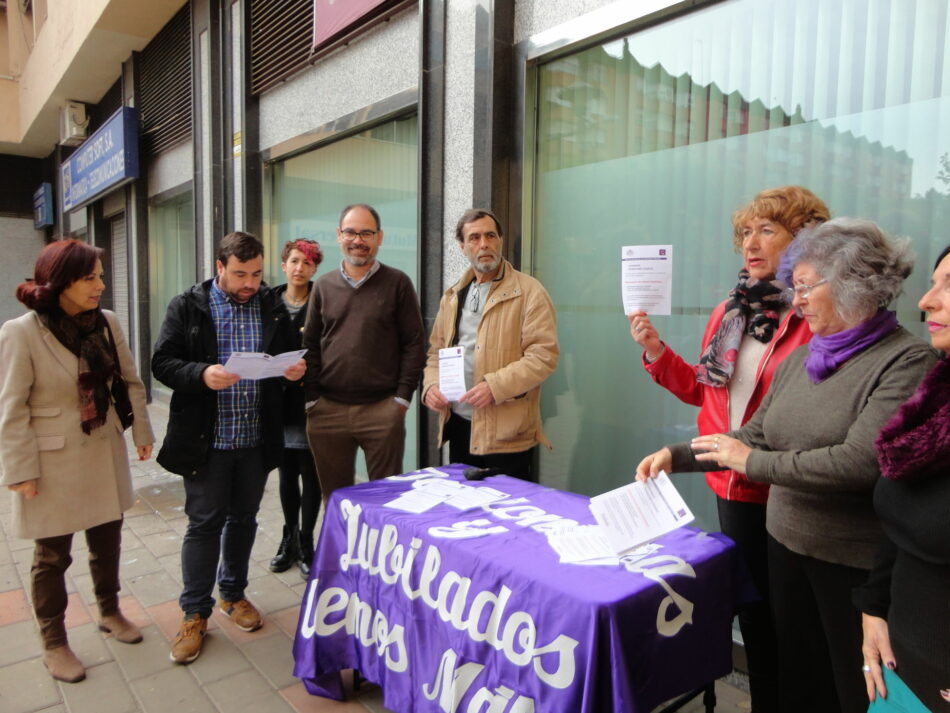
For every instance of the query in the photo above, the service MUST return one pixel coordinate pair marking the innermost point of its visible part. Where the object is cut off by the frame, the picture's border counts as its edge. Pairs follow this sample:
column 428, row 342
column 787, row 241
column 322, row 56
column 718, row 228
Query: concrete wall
column 378, row 64
column 20, row 244
column 538, row 16
column 171, row 169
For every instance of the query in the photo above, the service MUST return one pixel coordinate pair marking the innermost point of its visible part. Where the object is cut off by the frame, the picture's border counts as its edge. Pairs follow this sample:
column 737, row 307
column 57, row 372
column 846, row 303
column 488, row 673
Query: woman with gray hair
column 812, row 440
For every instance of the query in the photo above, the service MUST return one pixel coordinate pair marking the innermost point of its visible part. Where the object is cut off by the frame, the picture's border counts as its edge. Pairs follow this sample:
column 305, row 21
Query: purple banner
column 464, row 611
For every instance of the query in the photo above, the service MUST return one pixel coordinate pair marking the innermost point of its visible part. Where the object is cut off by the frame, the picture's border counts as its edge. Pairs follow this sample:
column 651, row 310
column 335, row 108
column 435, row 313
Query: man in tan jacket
column 505, row 322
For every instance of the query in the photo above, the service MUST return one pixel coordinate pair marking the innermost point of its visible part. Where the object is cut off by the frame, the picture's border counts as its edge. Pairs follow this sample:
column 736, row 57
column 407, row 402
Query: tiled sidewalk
column 237, row 672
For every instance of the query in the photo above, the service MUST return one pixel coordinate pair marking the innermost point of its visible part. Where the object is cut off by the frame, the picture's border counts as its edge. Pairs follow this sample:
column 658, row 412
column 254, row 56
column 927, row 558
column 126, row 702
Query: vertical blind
column 657, row 136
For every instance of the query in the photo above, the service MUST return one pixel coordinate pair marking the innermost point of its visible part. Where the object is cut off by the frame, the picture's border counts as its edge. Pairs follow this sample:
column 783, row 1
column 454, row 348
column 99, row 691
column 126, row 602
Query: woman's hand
column 145, row 452
column 27, row 488
column 645, row 334
column 651, row 466
column 717, row 448
column 876, row 650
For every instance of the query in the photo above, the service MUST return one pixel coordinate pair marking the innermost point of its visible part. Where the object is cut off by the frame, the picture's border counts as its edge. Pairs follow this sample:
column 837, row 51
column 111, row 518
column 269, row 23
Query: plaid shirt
column 239, row 329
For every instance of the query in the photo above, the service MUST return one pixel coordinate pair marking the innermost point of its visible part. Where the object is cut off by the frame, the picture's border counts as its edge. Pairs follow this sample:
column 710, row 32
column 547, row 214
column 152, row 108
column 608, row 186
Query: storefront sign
column 43, row 206
column 330, row 17
column 107, row 159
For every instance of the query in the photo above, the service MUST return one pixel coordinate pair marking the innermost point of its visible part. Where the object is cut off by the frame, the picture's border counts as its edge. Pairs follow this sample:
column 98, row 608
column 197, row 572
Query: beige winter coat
column 516, row 350
column 83, row 480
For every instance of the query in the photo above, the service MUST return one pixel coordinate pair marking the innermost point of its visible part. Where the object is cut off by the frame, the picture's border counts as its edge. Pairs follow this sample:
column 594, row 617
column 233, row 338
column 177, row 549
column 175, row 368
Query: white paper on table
column 416, row 501
column 469, row 496
column 584, row 544
column 452, row 372
column 434, row 486
column 640, row 512
column 256, row 365
column 646, row 278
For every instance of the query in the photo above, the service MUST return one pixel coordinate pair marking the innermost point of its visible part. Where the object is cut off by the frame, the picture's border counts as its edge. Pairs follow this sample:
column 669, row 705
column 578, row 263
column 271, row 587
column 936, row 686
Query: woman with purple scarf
column 812, row 440
column 906, row 601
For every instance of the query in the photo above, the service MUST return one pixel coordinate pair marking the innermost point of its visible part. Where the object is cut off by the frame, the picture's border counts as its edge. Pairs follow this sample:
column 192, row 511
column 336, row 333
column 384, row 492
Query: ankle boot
column 63, row 665
column 306, row 554
column 121, row 628
column 287, row 552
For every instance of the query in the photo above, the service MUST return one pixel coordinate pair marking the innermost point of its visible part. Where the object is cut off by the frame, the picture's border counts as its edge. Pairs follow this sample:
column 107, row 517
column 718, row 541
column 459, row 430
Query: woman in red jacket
column 746, row 338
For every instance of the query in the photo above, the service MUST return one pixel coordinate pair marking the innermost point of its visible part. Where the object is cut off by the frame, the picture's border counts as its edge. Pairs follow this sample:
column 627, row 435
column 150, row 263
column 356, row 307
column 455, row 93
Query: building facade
column 586, row 125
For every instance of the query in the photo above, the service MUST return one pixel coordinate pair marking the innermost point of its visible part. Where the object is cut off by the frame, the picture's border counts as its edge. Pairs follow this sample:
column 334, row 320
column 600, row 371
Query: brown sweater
column 814, row 444
column 363, row 344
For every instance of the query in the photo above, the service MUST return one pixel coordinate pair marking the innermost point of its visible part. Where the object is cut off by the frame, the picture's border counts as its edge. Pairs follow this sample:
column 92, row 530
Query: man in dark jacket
column 224, row 434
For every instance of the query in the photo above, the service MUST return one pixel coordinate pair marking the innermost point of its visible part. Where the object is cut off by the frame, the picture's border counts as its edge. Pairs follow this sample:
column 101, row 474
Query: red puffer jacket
column 679, row 378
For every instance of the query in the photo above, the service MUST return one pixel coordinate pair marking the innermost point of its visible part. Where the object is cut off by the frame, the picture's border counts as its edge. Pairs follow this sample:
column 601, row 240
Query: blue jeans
column 222, row 523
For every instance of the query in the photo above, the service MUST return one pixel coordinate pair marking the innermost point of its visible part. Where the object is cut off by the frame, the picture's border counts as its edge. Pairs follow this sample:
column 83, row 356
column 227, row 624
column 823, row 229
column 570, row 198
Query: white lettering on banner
column 467, row 529
column 655, row 568
column 527, row 515
column 380, row 554
column 370, row 627
column 452, row 683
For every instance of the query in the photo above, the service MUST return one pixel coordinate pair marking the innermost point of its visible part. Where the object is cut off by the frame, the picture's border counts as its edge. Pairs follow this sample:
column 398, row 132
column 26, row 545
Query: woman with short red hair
column 299, row 487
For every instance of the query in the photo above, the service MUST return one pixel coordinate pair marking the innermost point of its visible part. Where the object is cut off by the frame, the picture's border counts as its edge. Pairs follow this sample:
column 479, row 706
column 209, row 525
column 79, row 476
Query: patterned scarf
column 916, row 441
column 84, row 335
column 753, row 308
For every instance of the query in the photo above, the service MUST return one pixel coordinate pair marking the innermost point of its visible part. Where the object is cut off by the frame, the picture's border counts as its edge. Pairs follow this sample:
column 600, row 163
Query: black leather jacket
column 187, row 344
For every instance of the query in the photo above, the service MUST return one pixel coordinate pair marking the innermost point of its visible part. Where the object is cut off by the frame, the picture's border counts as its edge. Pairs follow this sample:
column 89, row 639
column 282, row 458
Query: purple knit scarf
column 826, row 354
column 917, row 438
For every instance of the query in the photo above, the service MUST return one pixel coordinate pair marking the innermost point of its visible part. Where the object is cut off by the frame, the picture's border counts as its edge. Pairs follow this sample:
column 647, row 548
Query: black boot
column 287, row 552
column 306, row 554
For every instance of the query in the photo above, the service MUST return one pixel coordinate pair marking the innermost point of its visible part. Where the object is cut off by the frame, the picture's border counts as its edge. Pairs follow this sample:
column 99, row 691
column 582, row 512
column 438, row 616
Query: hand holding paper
column 256, row 365
column 640, row 512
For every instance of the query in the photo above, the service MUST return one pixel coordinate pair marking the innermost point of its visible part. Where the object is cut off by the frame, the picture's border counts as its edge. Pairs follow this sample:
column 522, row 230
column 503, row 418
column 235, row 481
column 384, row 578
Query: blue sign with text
column 43, row 206
column 105, row 160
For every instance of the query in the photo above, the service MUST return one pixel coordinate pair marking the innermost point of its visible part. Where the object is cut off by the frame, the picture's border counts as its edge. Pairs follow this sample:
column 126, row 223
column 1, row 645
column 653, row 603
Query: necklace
column 295, row 303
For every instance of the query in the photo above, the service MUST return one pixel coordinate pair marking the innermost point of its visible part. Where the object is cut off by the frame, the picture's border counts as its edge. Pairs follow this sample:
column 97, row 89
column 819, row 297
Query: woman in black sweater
column 906, row 602
column 299, row 487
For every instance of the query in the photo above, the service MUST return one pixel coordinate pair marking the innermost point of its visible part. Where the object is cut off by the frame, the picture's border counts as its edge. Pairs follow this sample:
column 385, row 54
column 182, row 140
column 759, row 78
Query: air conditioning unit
column 73, row 123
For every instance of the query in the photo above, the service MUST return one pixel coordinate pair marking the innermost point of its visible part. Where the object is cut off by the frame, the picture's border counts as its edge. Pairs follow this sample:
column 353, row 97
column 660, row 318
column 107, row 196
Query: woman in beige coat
column 62, row 449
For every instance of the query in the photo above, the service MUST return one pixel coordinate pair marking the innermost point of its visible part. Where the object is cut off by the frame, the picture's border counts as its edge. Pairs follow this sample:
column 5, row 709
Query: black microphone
column 481, row 473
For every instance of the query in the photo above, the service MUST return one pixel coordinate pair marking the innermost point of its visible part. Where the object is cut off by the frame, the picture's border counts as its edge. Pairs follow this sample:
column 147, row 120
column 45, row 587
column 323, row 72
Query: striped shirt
column 239, row 329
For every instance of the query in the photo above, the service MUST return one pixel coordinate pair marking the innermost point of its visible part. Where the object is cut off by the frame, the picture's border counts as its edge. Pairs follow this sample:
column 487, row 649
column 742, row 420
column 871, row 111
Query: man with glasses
column 365, row 351
column 506, row 324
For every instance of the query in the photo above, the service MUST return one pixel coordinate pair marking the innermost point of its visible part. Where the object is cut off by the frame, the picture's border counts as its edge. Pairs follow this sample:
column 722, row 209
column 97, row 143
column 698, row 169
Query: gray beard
column 485, row 268
column 357, row 261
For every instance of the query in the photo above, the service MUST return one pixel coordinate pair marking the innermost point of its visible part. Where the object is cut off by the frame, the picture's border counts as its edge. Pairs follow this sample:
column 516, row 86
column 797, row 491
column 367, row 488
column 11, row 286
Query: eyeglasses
column 350, row 235
column 804, row 291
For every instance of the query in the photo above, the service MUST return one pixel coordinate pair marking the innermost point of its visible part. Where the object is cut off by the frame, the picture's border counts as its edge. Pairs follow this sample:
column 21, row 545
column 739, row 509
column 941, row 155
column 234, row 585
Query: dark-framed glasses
column 349, row 234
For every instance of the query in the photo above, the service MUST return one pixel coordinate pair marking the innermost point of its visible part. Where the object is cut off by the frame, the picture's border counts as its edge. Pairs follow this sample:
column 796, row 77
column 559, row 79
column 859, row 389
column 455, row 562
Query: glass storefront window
column 658, row 136
column 171, row 255
column 305, row 194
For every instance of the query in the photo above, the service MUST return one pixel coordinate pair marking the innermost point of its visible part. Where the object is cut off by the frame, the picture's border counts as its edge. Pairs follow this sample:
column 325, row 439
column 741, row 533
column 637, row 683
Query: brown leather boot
column 63, row 665
column 121, row 628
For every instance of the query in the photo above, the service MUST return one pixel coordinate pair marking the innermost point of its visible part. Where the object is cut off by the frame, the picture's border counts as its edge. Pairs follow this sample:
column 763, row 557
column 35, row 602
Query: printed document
column 255, row 365
column 452, row 372
column 584, row 544
column 646, row 276
column 640, row 512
